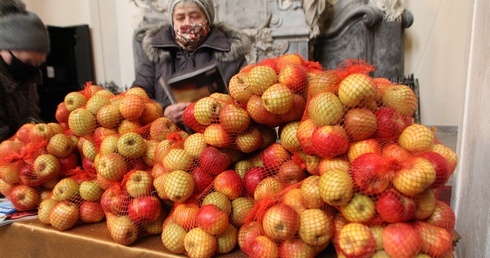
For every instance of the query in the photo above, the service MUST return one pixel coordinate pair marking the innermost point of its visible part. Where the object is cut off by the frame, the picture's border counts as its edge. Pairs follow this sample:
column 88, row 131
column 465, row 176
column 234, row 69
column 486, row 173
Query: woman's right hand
column 174, row 112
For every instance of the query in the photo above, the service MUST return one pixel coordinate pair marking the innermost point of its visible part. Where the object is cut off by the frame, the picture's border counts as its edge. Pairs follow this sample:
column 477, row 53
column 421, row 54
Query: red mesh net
column 208, row 223
column 33, row 160
column 274, row 90
column 84, row 111
column 375, row 166
column 72, row 200
column 293, row 222
column 132, row 208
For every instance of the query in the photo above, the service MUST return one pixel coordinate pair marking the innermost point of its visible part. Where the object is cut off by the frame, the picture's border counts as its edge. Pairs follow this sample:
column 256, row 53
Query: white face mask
column 191, row 36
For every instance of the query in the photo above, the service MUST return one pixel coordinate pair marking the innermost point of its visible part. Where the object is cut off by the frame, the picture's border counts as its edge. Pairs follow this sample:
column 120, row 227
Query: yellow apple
column 316, row 227
column 336, row 187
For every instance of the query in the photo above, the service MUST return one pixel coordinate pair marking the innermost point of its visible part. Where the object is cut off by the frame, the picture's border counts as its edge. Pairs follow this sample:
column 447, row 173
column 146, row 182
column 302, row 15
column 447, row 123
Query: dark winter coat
column 163, row 57
column 18, row 103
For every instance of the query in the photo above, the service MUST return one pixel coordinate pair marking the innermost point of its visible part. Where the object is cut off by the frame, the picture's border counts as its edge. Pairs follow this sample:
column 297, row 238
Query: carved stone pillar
column 356, row 29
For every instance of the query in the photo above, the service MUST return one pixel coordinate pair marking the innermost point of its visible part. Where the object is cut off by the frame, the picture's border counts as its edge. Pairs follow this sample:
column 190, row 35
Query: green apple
column 66, row 189
column 90, row 190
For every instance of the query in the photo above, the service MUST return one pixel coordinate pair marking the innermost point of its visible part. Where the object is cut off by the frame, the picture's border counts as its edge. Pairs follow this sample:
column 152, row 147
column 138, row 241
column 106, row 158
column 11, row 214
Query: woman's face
column 187, row 13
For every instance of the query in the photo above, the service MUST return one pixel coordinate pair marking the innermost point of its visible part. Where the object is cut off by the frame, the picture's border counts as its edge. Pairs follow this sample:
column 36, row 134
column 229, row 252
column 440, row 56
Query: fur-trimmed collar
column 158, row 40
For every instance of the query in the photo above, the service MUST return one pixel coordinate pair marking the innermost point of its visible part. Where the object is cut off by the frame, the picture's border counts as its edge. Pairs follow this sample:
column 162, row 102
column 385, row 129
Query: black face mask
column 20, row 70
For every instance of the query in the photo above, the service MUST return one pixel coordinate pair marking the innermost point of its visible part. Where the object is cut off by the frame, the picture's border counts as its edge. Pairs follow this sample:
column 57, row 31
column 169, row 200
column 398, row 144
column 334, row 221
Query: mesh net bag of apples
column 293, row 159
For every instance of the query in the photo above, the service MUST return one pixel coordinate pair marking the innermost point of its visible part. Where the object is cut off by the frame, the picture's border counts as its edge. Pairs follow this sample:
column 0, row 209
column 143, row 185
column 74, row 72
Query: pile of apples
column 33, row 161
column 73, row 200
column 224, row 123
column 270, row 93
column 132, row 209
column 208, row 224
column 83, row 111
column 376, row 166
column 293, row 159
column 294, row 222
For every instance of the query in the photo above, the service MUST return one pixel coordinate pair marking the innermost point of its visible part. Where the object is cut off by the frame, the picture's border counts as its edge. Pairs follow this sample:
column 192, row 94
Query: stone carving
column 392, row 9
column 356, row 29
column 315, row 15
column 328, row 31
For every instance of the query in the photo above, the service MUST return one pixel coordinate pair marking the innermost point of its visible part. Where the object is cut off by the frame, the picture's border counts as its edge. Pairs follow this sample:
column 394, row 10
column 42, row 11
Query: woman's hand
column 174, row 112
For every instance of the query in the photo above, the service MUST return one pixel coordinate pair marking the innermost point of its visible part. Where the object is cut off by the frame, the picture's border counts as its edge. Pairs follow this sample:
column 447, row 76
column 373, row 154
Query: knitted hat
column 206, row 5
column 20, row 29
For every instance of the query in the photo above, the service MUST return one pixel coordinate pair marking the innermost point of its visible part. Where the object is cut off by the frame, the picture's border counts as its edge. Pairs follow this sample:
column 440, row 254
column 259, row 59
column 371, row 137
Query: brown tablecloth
column 31, row 238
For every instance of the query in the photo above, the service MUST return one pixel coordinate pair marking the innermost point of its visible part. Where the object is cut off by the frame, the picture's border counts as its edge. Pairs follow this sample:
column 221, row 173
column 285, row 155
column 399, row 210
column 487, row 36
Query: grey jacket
column 163, row 57
column 18, row 103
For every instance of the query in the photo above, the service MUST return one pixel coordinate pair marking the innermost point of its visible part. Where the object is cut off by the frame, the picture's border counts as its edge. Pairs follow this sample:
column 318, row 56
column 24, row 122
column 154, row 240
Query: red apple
column 360, row 123
column 91, row 212
column 259, row 114
column 202, row 179
column 87, row 164
column 234, row 118
column 213, row 161
column 23, row 133
column 390, row 123
column 246, row 234
column 291, row 173
column 185, row 214
column 68, row 163
column 212, row 220
column 295, row 247
column 263, row 246
column 392, row 206
column 295, row 113
column 401, row 240
column 253, row 177
column 24, row 197
column 115, row 201
column 436, row 241
column 294, row 77
column 274, row 155
column 441, row 166
column 372, row 173
column 144, row 209
column 229, row 183
column 442, row 216
column 216, row 135
column 330, row 141
column 61, row 113
column 190, row 120
column 397, row 153
column 305, row 134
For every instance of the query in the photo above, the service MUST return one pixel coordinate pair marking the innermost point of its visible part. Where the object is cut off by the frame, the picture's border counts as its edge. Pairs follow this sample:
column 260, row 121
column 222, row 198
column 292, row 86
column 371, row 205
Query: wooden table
column 31, row 238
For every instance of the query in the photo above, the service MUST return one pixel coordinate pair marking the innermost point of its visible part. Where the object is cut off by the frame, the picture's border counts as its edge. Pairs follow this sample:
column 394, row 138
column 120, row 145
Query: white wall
column 435, row 54
column 470, row 189
column 435, row 45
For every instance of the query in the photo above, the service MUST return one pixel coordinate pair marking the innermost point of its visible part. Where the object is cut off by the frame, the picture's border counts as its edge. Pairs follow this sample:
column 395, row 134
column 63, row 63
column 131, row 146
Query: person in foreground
column 190, row 42
column 24, row 45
